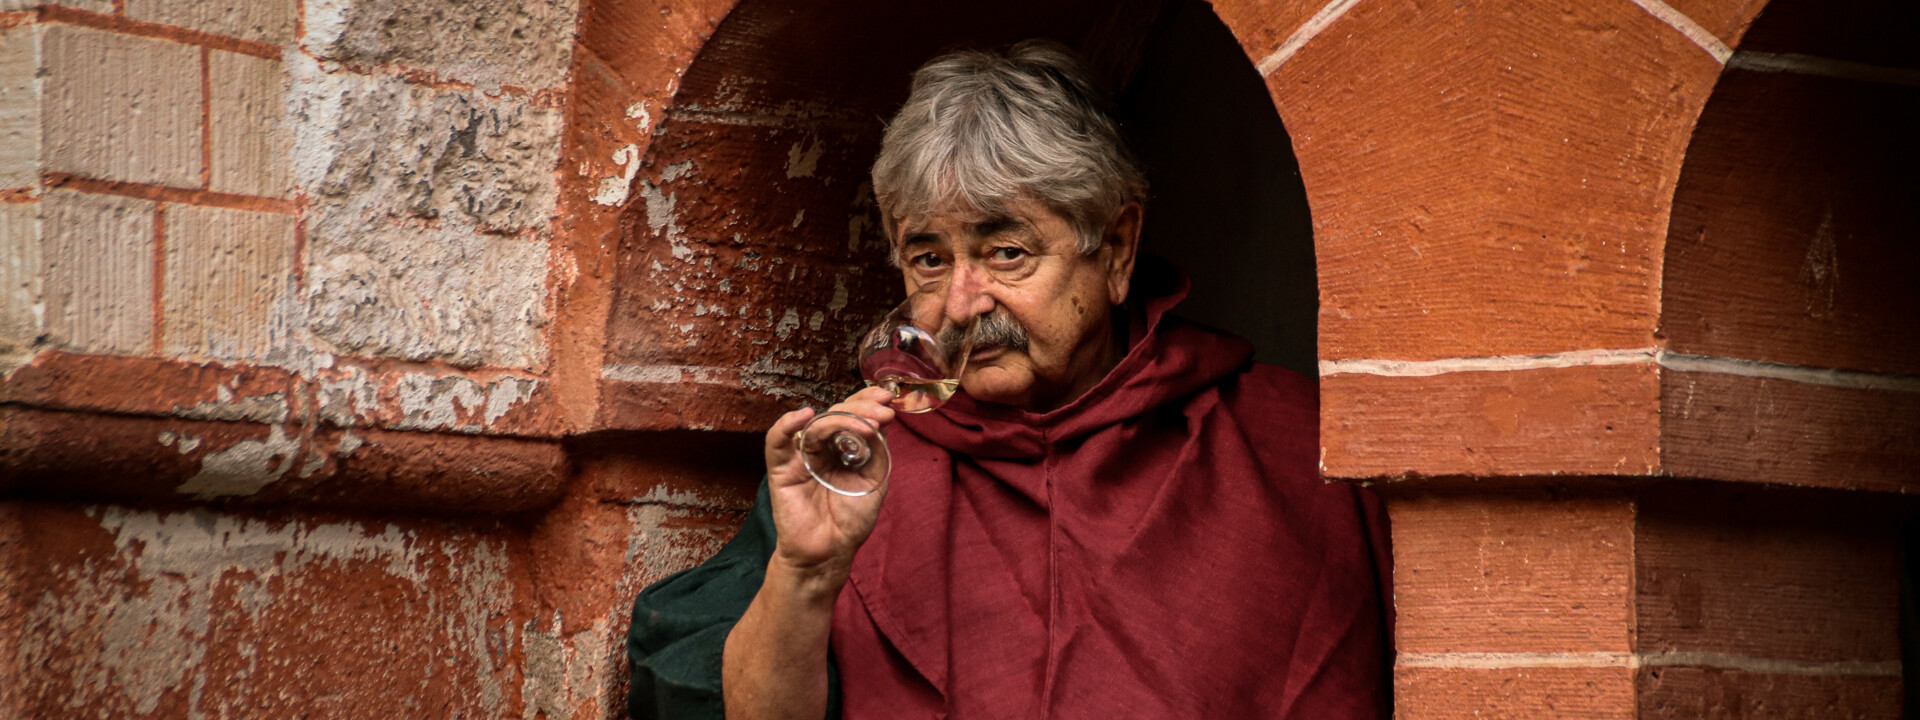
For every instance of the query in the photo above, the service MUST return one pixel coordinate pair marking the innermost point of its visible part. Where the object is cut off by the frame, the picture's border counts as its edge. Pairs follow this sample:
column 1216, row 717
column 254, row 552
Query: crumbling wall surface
column 322, row 226
column 280, row 432
column 275, row 297
column 135, row 612
column 425, row 136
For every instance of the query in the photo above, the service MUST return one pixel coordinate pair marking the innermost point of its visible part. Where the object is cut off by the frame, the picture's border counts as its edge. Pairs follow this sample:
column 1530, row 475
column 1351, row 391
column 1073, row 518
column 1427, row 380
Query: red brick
column 688, row 405
column 1501, row 182
column 1511, row 574
column 1708, row 694
column 148, row 386
column 424, row 472
column 1755, row 429
column 51, row 454
column 1768, row 573
column 588, row 553
column 1583, row 420
column 1791, row 241
column 1519, row 694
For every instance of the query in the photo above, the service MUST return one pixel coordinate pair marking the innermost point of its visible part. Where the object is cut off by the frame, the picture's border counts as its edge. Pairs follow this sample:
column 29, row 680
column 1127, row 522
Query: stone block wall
column 365, row 357
column 277, row 297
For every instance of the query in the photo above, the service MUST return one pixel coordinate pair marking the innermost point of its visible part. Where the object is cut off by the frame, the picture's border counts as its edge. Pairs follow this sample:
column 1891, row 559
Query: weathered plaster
column 490, row 43
column 427, row 236
column 182, row 589
column 244, row 468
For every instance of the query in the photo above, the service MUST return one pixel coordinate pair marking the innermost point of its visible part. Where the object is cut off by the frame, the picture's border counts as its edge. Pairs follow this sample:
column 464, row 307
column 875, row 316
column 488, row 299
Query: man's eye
column 1008, row 254
column 928, row 261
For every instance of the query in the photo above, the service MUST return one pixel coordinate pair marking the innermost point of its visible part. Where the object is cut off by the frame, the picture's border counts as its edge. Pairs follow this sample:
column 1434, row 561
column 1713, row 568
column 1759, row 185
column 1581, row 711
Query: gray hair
column 980, row 128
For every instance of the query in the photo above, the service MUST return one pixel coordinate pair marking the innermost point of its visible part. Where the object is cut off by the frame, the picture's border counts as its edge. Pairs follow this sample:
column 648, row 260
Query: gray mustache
column 994, row 329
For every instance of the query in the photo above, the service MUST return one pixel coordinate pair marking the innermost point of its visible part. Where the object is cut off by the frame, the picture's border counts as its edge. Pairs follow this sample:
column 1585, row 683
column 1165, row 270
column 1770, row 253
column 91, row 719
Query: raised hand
column 819, row 530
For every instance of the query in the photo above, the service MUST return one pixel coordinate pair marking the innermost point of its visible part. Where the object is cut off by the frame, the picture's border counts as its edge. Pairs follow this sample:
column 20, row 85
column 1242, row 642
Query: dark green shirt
column 680, row 627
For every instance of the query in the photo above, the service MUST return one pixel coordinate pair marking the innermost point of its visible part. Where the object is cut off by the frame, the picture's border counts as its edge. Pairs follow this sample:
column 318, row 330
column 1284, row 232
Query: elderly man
column 1119, row 516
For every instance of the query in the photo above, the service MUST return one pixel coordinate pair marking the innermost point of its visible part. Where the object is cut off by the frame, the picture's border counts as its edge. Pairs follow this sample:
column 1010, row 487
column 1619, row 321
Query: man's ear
column 1122, row 244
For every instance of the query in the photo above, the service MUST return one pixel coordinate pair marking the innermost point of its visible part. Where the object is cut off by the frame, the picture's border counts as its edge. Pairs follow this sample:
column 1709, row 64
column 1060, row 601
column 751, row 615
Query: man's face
column 1025, row 264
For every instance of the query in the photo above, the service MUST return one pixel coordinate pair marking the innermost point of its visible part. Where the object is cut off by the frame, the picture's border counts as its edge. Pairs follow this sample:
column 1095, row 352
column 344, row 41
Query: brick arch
column 1491, row 185
column 1790, row 286
column 733, row 241
column 1484, row 182
column 1555, row 274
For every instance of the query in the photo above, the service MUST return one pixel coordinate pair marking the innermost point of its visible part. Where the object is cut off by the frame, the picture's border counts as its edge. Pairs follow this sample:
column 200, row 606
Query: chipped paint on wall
column 201, row 613
column 350, row 396
column 434, row 247
column 613, row 190
column 455, row 402
column 186, row 445
column 1820, row 273
column 268, row 408
column 660, row 218
column 244, row 468
column 638, row 111
column 568, row 673
column 347, row 395
column 804, row 157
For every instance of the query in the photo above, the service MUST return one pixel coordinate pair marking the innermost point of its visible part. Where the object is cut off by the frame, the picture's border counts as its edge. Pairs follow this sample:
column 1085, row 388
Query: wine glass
column 917, row 353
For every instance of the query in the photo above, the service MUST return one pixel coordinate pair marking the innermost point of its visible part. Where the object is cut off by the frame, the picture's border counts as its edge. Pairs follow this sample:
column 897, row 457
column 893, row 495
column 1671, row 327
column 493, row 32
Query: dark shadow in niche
column 757, row 252
column 1227, row 202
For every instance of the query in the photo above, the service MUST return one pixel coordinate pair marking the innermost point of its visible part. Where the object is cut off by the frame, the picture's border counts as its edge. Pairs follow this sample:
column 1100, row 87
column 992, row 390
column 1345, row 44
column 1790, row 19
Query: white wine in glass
column 917, row 353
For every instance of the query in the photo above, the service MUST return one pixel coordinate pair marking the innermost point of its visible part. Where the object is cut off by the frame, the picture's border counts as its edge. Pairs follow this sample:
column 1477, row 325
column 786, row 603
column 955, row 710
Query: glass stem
column 853, row 452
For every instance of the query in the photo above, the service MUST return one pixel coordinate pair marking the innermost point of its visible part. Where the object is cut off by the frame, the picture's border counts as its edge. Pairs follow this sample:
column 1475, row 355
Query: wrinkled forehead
column 947, row 211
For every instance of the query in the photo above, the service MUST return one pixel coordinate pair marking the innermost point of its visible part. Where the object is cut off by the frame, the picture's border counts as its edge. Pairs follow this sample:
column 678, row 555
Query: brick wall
column 1629, row 275
column 365, row 357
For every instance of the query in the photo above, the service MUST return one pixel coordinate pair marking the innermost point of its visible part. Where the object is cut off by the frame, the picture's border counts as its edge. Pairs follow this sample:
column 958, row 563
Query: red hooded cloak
column 1163, row 547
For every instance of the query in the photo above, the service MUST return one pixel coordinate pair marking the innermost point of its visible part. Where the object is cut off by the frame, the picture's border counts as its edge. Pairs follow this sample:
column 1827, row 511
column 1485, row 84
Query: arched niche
column 750, row 255
column 1792, row 239
column 1791, row 283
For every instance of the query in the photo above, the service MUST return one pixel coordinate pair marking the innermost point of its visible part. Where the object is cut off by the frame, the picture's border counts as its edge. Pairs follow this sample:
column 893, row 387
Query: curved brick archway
column 1790, row 285
column 1447, row 223
column 748, row 244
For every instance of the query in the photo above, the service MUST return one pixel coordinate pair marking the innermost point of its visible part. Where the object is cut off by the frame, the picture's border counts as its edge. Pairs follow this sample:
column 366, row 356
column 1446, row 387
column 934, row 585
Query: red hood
column 1168, row 360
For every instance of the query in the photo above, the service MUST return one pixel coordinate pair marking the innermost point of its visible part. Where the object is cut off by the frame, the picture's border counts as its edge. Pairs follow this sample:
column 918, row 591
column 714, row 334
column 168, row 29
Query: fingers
column 779, row 447
column 783, row 461
column 871, row 404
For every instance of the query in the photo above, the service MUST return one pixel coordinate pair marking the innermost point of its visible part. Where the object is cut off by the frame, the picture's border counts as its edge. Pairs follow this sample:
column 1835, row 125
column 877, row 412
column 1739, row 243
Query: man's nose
column 966, row 293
